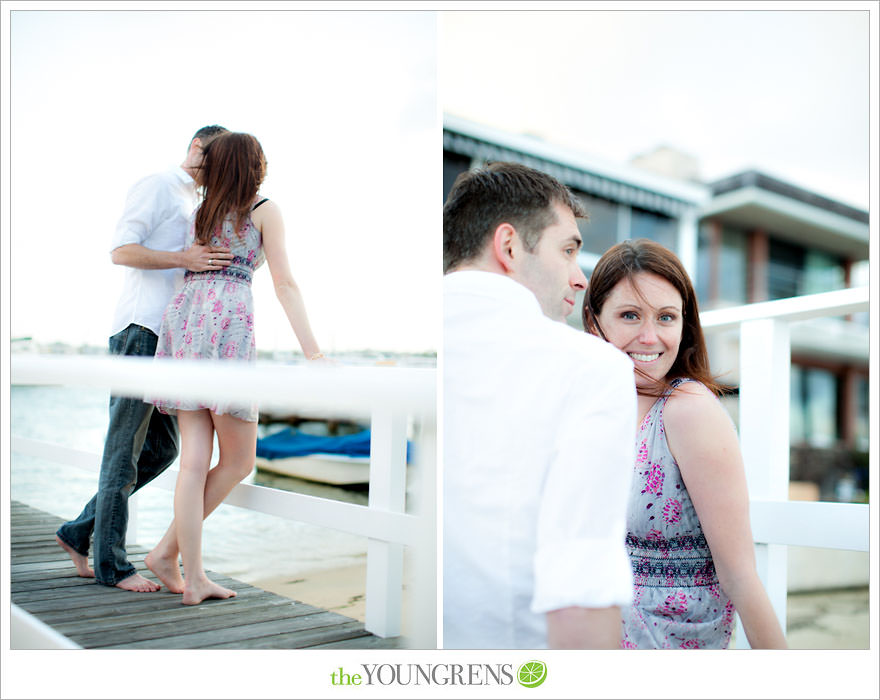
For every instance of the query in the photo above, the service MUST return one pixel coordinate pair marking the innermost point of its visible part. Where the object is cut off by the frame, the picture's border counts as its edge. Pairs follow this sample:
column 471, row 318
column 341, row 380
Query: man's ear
column 504, row 243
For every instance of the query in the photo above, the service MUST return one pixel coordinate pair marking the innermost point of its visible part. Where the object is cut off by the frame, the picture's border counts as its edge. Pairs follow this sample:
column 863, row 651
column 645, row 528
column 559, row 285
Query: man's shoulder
column 162, row 180
column 569, row 339
column 585, row 358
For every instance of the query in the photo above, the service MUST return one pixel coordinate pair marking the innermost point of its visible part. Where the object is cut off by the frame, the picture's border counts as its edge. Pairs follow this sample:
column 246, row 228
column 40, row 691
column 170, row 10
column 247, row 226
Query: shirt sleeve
column 142, row 213
column 581, row 558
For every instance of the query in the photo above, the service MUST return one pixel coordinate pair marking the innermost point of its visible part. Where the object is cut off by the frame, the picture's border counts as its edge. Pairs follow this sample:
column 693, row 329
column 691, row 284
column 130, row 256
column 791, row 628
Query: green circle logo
column 531, row 674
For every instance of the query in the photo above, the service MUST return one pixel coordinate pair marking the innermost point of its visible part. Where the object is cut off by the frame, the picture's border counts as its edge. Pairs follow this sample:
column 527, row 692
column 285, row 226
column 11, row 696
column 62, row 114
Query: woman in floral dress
column 212, row 318
column 688, row 532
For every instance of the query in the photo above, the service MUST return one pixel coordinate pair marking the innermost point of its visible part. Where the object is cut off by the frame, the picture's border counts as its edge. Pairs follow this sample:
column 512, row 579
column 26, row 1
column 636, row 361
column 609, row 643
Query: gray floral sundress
column 677, row 602
column 211, row 316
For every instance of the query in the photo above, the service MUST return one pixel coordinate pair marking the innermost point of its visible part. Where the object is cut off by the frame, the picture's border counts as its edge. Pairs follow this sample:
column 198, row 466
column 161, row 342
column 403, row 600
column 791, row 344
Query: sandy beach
column 339, row 590
column 836, row 619
column 828, row 619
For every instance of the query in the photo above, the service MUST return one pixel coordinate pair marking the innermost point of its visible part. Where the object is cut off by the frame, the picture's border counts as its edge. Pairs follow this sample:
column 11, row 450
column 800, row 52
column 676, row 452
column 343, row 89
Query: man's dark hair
column 484, row 198
column 208, row 133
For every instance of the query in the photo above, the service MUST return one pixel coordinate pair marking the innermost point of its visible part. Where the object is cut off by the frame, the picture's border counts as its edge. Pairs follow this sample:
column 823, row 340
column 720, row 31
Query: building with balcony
column 746, row 238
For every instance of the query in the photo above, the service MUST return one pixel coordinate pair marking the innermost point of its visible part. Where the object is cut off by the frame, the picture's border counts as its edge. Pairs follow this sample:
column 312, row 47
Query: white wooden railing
column 764, row 377
column 387, row 396
column 390, row 398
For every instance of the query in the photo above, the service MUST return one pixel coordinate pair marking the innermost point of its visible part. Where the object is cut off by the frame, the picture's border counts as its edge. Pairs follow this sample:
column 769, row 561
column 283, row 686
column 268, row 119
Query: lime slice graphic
column 531, row 674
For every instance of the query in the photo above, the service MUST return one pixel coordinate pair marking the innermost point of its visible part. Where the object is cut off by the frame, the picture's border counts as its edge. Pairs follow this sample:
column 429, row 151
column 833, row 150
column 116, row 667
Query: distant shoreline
column 428, row 358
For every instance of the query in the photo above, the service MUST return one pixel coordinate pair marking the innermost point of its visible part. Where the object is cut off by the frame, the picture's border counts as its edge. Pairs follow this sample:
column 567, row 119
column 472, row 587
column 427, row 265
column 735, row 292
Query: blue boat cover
column 291, row 442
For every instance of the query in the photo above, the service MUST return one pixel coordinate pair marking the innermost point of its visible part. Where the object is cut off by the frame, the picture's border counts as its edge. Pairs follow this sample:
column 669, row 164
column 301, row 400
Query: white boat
column 340, row 460
column 338, row 470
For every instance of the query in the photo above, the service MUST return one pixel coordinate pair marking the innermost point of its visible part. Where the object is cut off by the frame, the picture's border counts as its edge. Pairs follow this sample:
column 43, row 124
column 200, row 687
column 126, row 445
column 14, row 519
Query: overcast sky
column 784, row 92
column 344, row 104
column 346, row 107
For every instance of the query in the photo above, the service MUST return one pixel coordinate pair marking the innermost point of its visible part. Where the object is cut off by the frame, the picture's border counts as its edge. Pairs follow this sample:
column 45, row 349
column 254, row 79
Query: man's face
column 551, row 270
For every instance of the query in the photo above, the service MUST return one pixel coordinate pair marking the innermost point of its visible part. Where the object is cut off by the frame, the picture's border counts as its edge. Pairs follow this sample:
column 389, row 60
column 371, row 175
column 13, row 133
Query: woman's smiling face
column 644, row 319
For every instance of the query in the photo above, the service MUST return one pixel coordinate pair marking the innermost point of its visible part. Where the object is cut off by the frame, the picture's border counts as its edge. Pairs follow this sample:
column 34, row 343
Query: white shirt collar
column 184, row 176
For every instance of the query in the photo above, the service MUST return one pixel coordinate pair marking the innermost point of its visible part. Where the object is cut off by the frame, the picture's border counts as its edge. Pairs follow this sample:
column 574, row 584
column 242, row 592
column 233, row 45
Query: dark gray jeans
column 141, row 443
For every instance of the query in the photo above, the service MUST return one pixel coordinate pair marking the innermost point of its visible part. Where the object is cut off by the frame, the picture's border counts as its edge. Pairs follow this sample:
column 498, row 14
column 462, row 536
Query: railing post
column 387, row 492
column 424, row 555
column 764, row 401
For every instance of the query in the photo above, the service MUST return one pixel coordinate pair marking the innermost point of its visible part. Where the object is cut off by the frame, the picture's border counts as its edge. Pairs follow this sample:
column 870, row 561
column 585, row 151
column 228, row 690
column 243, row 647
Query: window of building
column 796, row 410
column 860, row 275
column 794, row 270
column 453, row 165
column 704, row 265
column 863, row 433
column 600, row 230
column 732, row 268
column 822, row 273
column 785, row 269
column 646, row 224
column 813, row 419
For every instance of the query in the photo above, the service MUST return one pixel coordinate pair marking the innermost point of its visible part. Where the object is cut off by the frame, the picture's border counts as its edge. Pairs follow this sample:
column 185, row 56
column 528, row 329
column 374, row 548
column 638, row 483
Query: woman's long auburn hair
column 230, row 176
column 625, row 261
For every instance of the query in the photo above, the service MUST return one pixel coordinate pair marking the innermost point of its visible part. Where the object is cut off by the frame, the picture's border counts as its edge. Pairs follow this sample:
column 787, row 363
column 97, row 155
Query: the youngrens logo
column 531, row 674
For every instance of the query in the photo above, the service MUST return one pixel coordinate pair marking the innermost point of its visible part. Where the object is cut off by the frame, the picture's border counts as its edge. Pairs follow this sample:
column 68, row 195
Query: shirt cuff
column 585, row 573
column 125, row 238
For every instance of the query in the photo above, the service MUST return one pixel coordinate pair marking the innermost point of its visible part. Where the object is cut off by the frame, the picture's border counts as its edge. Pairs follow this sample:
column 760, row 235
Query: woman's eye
column 667, row 318
column 629, row 315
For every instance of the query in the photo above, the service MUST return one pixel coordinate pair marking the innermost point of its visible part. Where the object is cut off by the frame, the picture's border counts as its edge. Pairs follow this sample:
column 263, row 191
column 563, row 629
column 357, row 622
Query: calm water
column 236, row 542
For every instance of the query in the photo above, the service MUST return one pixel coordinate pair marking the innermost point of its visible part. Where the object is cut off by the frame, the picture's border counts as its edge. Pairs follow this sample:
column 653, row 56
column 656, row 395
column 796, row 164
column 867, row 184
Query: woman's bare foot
column 166, row 570
column 138, row 584
column 80, row 561
column 195, row 593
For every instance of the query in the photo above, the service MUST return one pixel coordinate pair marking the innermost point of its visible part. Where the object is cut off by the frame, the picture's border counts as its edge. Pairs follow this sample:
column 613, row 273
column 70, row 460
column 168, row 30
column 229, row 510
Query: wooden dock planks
column 44, row 583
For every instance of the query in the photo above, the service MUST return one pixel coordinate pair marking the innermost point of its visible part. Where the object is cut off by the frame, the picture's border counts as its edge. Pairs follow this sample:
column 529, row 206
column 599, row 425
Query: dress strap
column 678, row 381
column 673, row 385
column 660, row 403
column 265, row 199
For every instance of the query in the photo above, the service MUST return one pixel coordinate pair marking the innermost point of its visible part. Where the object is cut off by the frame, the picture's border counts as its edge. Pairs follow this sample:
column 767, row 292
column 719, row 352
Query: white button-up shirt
column 538, row 452
column 157, row 214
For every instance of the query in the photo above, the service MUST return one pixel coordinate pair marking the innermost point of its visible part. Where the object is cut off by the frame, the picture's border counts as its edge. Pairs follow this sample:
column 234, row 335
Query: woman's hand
column 319, row 358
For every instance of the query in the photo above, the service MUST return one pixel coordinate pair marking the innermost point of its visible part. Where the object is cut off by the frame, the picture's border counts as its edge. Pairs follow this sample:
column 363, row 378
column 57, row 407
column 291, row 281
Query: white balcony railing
column 764, row 395
column 390, row 398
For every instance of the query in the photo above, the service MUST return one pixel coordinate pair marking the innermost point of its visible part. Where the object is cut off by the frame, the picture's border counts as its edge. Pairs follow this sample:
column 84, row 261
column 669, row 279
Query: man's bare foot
column 195, row 593
column 167, row 571
column 138, row 584
column 80, row 561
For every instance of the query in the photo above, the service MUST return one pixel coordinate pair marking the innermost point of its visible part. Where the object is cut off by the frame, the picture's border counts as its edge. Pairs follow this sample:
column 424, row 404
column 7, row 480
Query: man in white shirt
column 539, row 425
column 141, row 442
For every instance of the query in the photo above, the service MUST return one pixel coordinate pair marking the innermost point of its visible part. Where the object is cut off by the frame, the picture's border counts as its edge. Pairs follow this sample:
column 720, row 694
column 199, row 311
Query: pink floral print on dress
column 677, row 600
column 211, row 316
column 654, row 480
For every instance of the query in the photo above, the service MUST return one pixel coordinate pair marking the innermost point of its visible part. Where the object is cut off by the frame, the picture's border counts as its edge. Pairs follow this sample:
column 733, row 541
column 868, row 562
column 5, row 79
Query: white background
column 343, row 103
